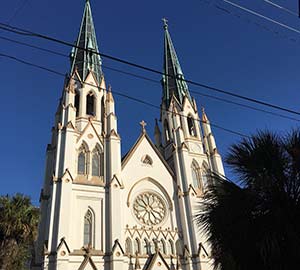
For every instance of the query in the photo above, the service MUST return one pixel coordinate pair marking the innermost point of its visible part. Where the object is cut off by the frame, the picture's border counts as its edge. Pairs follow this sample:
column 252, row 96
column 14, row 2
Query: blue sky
column 214, row 47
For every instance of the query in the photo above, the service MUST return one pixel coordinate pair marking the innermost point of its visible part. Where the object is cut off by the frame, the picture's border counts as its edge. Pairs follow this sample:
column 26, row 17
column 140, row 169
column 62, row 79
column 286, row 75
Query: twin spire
column 89, row 59
column 173, row 80
column 86, row 61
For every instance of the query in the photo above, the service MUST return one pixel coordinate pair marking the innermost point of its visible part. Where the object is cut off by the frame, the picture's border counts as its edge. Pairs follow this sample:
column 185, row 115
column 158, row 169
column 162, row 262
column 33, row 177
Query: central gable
column 144, row 160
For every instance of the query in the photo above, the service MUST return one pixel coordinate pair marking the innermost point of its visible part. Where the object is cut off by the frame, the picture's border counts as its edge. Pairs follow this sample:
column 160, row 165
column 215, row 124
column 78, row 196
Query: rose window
column 149, row 208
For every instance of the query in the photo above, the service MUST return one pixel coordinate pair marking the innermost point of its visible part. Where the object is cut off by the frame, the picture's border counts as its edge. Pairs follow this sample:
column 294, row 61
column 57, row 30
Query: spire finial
column 165, row 23
column 143, row 125
column 204, row 116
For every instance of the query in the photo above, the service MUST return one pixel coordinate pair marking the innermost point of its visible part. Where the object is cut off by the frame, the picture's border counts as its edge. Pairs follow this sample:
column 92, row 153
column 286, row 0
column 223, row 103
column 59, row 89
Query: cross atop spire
column 173, row 80
column 84, row 60
column 165, row 23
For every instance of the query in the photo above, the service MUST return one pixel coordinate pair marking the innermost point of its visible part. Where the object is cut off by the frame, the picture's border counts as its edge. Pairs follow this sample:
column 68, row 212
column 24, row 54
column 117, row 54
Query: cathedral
column 104, row 211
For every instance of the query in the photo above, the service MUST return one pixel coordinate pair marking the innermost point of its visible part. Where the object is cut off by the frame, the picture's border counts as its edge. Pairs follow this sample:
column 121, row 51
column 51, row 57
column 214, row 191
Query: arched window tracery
column 196, row 176
column 128, row 245
column 82, row 160
column 88, row 229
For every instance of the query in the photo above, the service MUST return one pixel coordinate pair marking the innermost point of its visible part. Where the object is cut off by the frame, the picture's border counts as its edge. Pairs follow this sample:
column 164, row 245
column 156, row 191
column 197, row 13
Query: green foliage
column 18, row 230
column 256, row 224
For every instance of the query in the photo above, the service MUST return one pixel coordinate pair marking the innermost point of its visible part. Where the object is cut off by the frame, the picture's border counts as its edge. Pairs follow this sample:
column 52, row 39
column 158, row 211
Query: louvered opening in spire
column 83, row 60
column 173, row 80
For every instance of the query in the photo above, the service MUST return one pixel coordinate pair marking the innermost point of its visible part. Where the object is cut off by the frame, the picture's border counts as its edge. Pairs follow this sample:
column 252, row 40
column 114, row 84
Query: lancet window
column 82, row 160
column 163, row 246
column 96, row 163
column 128, row 246
column 167, row 131
column 88, row 229
column 191, row 126
column 196, row 176
column 102, row 111
column 76, row 102
column 171, row 247
column 179, row 249
column 90, row 104
column 137, row 246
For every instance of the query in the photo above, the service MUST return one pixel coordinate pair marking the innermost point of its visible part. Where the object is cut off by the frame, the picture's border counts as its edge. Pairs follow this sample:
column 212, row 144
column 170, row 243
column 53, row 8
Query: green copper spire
column 86, row 61
column 173, row 81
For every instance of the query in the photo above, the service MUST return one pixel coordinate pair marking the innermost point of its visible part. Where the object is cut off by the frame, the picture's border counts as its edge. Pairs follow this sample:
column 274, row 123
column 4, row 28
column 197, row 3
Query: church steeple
column 86, row 61
column 173, row 81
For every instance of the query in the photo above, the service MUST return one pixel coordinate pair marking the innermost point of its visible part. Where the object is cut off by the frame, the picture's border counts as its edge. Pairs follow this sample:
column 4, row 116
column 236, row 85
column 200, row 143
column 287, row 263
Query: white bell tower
column 188, row 145
column 76, row 198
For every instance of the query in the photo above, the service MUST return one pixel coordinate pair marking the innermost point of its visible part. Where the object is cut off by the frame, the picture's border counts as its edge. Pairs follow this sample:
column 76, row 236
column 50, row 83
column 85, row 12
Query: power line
column 21, row 6
column 258, row 24
column 118, row 93
column 262, row 16
column 20, row 31
column 281, row 7
column 155, row 81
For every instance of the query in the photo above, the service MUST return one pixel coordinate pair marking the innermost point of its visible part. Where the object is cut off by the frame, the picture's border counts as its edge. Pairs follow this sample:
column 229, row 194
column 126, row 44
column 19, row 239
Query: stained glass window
column 88, row 221
column 81, row 163
column 96, row 164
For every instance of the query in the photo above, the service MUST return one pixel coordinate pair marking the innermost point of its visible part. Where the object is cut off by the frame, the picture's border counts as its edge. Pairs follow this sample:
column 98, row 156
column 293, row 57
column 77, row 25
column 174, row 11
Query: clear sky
column 234, row 51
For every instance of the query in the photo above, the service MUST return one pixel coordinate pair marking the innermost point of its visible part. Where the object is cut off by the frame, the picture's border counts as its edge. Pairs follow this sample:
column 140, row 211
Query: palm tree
column 255, row 224
column 18, row 230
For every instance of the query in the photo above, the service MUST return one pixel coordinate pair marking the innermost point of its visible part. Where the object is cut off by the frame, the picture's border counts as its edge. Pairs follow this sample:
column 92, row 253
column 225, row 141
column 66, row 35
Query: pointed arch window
column 145, row 246
column 82, row 160
column 102, row 112
column 90, row 104
column 137, row 246
column 81, row 169
column 163, row 246
column 128, row 246
column 167, row 131
column 88, row 229
column 96, row 164
column 76, row 103
column 196, row 177
column 191, row 126
column 179, row 249
column 171, row 247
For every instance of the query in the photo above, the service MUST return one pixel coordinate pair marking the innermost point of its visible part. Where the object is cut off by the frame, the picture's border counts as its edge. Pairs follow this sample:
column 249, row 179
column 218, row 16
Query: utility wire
column 281, row 7
column 258, row 24
column 154, row 81
column 21, row 6
column 262, row 16
column 20, row 31
column 117, row 93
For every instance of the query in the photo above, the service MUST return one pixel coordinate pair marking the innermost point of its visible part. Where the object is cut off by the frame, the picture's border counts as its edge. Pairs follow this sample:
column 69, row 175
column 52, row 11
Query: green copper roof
column 173, row 80
column 83, row 60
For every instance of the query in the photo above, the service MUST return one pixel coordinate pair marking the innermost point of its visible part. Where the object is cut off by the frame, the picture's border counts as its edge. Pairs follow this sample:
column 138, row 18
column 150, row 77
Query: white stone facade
column 101, row 211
